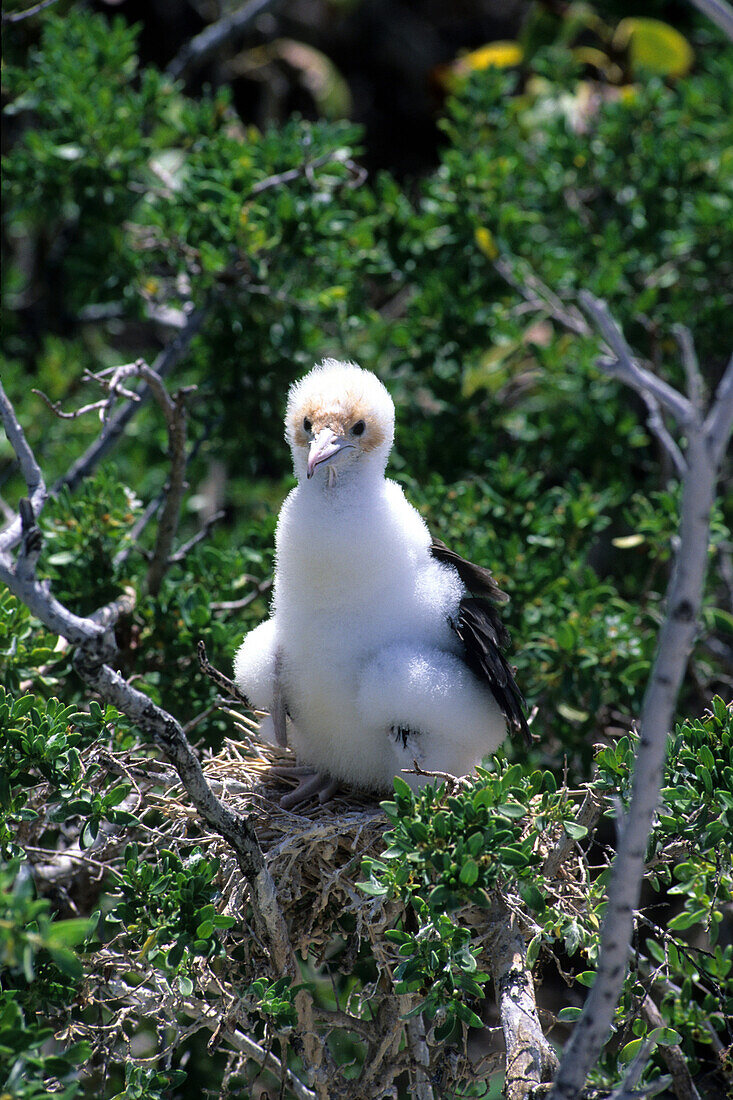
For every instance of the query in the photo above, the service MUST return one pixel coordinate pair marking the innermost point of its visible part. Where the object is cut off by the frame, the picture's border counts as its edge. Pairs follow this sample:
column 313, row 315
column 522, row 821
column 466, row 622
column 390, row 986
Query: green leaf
column 629, row 1052
column 444, row 1031
column 373, row 889
column 401, row 789
column 469, row 872
column 69, row 933
column 532, row 896
column 468, row 1016
column 512, row 857
column 568, row 1014
column 575, row 831
column 665, row 1036
column 686, row 920
column 533, row 949
column 67, row 962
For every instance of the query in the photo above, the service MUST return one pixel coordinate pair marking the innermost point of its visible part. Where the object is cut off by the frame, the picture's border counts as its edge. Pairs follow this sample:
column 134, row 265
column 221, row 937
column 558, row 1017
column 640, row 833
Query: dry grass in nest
column 313, row 852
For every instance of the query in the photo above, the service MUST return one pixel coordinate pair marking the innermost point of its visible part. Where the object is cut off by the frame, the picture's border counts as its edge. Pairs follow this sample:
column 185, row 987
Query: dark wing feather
column 477, row 580
column 484, row 635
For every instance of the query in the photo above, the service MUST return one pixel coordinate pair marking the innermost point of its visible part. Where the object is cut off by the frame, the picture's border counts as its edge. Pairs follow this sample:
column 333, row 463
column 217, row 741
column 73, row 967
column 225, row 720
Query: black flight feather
column 484, row 636
column 477, row 580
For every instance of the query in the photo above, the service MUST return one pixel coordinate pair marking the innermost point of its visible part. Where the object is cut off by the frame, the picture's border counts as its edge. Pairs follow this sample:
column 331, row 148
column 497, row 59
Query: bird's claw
column 310, row 783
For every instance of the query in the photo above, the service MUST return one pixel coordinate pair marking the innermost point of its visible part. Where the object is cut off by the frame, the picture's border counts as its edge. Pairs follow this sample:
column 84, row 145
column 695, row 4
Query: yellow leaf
column 628, row 542
column 498, row 55
column 654, row 46
column 589, row 55
column 485, row 240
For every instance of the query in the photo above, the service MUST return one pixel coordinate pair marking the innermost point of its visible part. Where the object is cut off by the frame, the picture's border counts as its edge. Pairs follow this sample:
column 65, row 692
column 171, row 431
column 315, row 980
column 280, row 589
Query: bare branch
column 222, row 682
column 55, row 406
column 420, row 1057
column 695, row 383
column 674, row 1059
column 659, row 429
column 30, row 469
column 95, row 646
column 19, row 16
column 137, row 529
column 542, row 298
column 44, row 606
column 705, row 447
column 530, row 1060
column 115, row 426
column 628, row 369
column 719, row 12
column 175, row 414
column 239, row 605
column 628, row 1089
column 205, row 45
column 183, row 550
column 717, row 423
column 109, row 614
column 202, row 1013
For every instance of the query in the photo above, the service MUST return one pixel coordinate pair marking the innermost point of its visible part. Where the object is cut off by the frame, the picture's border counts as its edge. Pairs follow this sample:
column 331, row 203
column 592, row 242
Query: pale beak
column 324, row 447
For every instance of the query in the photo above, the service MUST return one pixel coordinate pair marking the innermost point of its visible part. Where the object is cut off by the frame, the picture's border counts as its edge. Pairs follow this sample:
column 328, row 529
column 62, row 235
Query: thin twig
column 718, row 12
column 695, row 383
column 587, row 816
column 222, row 682
column 239, row 605
column 19, row 16
column 628, row 369
column 115, row 426
column 175, row 414
column 11, row 535
column 541, row 297
column 186, row 548
column 206, row 45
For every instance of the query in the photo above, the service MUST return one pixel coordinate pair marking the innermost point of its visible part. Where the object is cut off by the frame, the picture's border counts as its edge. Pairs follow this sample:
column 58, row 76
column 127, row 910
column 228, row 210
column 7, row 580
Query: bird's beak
column 324, row 447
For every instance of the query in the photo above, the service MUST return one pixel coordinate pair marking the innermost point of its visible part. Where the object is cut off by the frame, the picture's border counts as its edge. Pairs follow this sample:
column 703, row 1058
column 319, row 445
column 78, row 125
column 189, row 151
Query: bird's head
column 339, row 420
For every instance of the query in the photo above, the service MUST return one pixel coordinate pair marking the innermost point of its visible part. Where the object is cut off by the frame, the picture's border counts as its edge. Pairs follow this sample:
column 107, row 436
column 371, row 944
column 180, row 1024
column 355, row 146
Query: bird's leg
column 279, row 710
column 310, row 783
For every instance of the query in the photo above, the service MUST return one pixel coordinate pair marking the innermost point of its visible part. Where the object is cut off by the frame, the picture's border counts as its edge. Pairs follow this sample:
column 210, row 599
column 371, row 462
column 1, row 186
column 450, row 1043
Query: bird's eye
column 307, row 424
column 358, row 428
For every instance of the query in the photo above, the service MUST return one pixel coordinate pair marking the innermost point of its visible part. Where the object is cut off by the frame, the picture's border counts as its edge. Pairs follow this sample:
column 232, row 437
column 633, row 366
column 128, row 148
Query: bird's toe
column 310, row 784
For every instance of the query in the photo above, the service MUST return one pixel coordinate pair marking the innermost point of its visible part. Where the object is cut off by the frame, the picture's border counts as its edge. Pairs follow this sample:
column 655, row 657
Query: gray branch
column 10, row 536
column 95, row 647
column 530, row 1060
column 206, row 45
column 718, row 12
column 116, row 425
column 629, row 370
column 706, row 443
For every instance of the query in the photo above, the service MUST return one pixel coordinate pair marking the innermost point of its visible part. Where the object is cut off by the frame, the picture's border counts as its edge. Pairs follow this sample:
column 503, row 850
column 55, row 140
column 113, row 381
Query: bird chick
column 374, row 655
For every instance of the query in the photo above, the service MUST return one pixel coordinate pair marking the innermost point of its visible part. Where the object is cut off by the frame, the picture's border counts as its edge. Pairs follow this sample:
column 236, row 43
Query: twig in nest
column 223, row 682
column 455, row 782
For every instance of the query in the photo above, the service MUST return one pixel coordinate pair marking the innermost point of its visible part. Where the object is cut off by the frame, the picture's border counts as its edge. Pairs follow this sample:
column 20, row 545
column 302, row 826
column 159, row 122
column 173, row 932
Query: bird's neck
column 345, row 490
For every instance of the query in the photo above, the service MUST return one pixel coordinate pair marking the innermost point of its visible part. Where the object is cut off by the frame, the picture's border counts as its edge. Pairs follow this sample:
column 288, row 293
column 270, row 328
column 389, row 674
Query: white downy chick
column 373, row 650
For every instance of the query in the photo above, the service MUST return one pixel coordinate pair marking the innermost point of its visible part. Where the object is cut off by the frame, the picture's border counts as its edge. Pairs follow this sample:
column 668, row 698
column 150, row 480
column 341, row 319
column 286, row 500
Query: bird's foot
column 310, row 783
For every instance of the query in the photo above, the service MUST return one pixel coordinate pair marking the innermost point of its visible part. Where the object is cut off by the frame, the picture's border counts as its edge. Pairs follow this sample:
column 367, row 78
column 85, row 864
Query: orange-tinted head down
column 350, row 402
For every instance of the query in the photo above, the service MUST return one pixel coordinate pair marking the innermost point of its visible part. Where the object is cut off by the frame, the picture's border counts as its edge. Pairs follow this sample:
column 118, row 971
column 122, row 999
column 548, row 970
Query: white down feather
column 361, row 614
